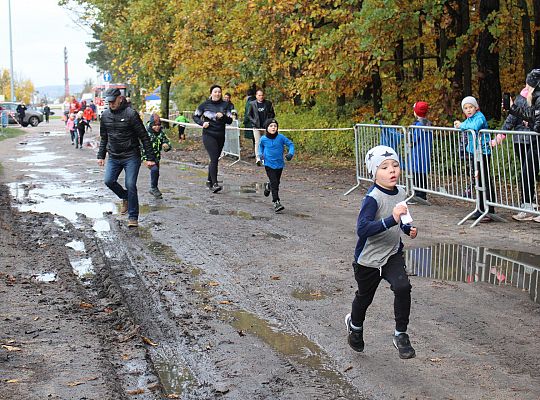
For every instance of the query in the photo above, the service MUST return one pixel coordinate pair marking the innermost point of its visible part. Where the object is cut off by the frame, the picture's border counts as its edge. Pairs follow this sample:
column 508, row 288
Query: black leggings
column 214, row 146
column 81, row 136
column 274, row 175
column 368, row 280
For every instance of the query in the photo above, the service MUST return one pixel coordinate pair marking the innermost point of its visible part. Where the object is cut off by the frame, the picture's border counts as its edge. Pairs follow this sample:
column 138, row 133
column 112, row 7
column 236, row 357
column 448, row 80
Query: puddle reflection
column 82, row 267
column 454, row 262
column 238, row 213
column 174, row 376
column 46, row 277
column 76, row 245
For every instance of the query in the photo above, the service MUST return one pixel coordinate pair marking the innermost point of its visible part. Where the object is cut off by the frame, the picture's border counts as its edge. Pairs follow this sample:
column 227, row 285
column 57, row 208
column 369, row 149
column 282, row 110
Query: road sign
column 107, row 76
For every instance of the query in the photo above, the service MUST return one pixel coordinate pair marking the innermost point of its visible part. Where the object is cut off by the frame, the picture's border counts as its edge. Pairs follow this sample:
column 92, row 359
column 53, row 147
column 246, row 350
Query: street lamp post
column 11, row 54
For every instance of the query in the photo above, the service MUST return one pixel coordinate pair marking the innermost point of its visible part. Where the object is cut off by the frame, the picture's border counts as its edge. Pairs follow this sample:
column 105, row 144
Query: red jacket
column 88, row 114
column 74, row 107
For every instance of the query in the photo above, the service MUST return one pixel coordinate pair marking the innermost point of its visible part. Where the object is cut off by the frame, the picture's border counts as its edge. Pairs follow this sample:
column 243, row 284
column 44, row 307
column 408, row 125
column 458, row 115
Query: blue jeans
column 154, row 176
column 131, row 171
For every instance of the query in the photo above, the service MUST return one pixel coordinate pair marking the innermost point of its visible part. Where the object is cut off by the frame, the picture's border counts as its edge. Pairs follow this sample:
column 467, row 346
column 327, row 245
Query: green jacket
column 158, row 139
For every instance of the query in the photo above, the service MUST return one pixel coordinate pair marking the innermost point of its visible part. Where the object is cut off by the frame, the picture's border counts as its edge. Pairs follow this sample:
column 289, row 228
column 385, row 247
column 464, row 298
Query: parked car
column 31, row 117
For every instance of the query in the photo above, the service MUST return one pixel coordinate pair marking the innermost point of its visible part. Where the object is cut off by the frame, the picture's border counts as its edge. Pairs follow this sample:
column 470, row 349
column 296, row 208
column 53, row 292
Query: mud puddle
column 238, row 213
column 461, row 263
column 174, row 376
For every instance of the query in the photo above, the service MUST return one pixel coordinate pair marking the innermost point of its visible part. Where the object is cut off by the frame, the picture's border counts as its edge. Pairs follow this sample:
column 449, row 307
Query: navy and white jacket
column 378, row 232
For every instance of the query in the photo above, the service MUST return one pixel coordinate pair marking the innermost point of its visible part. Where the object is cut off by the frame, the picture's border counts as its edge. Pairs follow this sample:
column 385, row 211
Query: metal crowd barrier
column 232, row 141
column 453, row 262
column 513, row 170
column 367, row 136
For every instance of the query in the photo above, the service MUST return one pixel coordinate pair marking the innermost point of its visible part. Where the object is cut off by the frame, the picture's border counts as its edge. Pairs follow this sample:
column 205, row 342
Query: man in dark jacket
column 259, row 111
column 121, row 131
column 21, row 112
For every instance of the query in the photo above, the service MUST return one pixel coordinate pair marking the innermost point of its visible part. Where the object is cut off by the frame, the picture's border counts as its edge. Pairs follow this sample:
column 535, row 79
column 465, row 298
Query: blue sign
column 107, row 77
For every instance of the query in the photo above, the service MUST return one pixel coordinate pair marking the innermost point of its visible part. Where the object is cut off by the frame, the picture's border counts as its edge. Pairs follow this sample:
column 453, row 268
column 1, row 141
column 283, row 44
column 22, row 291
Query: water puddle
column 41, row 158
column 296, row 347
column 174, row 377
column 196, row 272
column 46, row 277
column 238, row 213
column 161, row 250
column 76, row 245
column 181, row 198
column 254, row 187
column 54, row 133
column 101, row 226
column 83, row 267
column 63, row 172
column 300, row 215
column 461, row 263
column 309, row 294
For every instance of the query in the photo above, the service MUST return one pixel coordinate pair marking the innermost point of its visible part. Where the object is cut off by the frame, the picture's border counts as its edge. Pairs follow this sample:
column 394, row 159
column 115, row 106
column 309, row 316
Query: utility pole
column 11, row 54
column 66, row 79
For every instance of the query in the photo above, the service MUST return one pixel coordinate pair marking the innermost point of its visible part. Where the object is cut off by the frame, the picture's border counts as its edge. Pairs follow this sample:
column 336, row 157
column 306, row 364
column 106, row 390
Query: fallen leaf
column 36, row 318
column 81, row 382
column 136, row 391
column 126, row 357
column 13, row 381
column 275, row 277
column 148, row 341
column 213, row 283
column 208, row 308
column 225, row 302
column 348, row 368
column 173, row 396
column 86, row 305
column 11, row 348
column 436, row 359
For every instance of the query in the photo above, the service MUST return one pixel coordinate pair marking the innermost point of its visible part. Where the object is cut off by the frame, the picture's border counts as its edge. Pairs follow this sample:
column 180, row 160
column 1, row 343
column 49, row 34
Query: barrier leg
column 352, row 189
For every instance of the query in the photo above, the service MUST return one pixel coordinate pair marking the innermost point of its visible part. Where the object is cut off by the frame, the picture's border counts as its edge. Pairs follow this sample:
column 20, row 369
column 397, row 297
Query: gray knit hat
column 376, row 156
column 469, row 100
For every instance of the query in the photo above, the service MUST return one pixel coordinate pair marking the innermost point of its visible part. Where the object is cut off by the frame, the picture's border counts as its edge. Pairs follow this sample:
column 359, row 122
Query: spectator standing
column 213, row 115
column 530, row 113
column 476, row 121
column 121, row 132
column 159, row 141
column 259, row 111
column 93, row 108
column 227, row 98
column 271, row 150
column 379, row 250
column 181, row 128
column 422, row 143
column 21, row 112
column 248, row 134
column 46, row 112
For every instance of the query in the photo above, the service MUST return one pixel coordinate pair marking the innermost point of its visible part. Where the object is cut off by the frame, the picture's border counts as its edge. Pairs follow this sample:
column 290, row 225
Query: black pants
column 274, row 175
column 368, row 280
column 181, row 132
column 214, row 146
column 528, row 154
column 47, row 118
column 420, row 180
column 490, row 188
column 81, row 135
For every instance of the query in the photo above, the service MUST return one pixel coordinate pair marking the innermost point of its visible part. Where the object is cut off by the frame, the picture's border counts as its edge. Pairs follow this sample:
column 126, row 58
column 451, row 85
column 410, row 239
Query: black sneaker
column 403, row 344
column 266, row 189
column 278, row 207
column 156, row 193
column 216, row 188
column 354, row 337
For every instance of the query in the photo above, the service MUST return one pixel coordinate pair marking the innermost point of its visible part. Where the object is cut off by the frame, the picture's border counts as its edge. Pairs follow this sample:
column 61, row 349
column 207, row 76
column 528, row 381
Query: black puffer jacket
column 515, row 123
column 207, row 111
column 121, row 133
column 531, row 114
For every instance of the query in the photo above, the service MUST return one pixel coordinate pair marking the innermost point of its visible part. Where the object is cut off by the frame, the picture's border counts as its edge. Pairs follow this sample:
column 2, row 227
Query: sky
column 41, row 29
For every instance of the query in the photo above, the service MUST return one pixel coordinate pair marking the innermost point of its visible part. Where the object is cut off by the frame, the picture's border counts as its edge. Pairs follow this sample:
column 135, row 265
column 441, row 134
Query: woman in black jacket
column 213, row 115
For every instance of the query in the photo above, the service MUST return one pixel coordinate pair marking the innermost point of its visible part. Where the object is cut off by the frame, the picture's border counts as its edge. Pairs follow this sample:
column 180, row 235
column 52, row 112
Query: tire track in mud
column 220, row 262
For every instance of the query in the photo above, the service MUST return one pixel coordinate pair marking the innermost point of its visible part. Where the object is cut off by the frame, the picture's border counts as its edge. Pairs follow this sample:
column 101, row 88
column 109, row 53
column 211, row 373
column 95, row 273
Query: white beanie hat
column 376, row 156
column 469, row 100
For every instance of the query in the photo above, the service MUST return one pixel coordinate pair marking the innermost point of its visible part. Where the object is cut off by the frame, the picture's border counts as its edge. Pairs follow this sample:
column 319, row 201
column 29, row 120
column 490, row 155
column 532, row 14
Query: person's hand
column 206, row 124
column 289, row 157
column 413, row 232
column 149, row 163
column 100, row 162
column 457, row 124
column 398, row 211
column 165, row 147
column 219, row 115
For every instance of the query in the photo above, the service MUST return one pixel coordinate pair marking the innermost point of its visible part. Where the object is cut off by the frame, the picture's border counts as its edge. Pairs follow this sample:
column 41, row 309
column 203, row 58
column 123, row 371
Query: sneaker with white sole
column 156, row 193
column 523, row 216
column 536, row 219
column 278, row 207
column 403, row 345
column 355, row 337
column 266, row 189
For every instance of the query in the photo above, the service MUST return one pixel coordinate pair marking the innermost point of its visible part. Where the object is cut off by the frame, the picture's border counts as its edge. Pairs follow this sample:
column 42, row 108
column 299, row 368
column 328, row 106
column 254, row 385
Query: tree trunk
column 526, row 32
column 464, row 24
column 340, row 105
column 488, row 66
column 377, row 90
column 536, row 53
column 419, row 69
column 164, row 93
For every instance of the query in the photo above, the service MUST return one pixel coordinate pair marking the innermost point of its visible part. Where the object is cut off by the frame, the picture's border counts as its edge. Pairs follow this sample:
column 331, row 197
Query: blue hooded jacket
column 271, row 149
column 476, row 122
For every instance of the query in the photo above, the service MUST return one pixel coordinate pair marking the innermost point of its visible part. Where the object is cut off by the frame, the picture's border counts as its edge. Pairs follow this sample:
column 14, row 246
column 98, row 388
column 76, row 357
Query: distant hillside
column 55, row 91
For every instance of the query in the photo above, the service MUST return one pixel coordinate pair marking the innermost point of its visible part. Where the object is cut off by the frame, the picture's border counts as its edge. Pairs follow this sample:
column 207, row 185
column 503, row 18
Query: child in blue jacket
column 476, row 121
column 271, row 149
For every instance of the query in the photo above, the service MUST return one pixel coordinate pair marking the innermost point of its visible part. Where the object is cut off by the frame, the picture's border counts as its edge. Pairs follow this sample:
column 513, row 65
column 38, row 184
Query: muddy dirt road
column 216, row 296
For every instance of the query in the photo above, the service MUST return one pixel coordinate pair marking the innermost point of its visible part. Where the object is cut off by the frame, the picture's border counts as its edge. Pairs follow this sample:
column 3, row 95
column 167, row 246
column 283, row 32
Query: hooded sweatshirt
column 271, row 147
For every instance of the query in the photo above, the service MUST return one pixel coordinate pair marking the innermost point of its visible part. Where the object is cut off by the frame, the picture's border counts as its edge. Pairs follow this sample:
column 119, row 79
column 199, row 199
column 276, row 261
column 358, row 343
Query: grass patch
column 8, row 133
